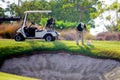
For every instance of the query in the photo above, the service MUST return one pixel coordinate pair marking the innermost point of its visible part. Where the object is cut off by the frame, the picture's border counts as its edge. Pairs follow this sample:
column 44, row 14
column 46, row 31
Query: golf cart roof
column 39, row 11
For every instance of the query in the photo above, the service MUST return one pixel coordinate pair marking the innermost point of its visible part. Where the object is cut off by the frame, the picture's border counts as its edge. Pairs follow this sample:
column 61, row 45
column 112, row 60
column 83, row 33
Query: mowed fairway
column 107, row 49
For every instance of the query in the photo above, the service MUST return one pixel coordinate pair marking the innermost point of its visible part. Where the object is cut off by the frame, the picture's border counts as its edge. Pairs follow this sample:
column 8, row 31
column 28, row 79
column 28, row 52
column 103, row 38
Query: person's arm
column 85, row 27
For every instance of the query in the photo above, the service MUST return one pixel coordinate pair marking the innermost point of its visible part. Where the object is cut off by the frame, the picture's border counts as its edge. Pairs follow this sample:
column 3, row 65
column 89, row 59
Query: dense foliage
column 109, row 15
column 62, row 10
column 68, row 12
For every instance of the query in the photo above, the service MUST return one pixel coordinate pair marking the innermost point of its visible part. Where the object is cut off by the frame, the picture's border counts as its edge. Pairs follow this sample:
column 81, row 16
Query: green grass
column 107, row 49
column 5, row 76
column 98, row 49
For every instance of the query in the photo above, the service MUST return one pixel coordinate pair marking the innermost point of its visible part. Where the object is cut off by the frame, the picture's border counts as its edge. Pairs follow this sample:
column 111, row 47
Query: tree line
column 67, row 11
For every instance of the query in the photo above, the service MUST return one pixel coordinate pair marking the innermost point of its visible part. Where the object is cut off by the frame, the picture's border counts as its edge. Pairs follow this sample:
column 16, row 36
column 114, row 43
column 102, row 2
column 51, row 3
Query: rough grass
column 102, row 49
column 5, row 76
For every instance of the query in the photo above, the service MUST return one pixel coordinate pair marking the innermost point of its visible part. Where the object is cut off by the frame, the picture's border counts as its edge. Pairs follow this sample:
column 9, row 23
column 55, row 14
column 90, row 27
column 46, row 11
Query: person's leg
column 82, row 37
column 77, row 37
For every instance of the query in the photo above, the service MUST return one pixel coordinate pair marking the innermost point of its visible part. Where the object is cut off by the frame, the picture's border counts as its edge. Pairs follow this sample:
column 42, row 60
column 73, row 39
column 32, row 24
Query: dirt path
column 63, row 66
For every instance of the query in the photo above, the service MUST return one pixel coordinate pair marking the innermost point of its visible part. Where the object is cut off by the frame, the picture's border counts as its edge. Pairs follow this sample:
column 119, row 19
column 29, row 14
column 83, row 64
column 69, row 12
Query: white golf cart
column 29, row 32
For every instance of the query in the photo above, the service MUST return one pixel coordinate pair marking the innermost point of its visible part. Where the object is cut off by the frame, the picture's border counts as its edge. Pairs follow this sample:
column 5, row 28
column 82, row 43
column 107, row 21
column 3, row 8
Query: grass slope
column 110, row 49
column 10, row 48
column 5, row 76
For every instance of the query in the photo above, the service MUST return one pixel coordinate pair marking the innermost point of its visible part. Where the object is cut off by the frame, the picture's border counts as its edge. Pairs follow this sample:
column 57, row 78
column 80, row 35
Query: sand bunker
column 63, row 66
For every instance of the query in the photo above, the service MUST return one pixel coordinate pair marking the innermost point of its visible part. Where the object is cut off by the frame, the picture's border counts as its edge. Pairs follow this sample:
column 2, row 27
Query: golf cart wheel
column 49, row 38
column 19, row 37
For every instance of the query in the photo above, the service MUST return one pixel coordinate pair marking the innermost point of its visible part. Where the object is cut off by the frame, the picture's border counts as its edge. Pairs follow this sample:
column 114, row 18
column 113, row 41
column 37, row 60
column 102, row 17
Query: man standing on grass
column 80, row 29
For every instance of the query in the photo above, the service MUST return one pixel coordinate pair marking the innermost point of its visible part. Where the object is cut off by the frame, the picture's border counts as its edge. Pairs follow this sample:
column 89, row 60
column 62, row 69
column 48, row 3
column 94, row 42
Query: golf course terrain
column 99, row 53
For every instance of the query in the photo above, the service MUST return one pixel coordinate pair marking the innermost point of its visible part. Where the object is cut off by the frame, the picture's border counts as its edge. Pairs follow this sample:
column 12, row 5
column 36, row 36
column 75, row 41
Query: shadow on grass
column 74, row 49
column 60, row 46
column 86, row 49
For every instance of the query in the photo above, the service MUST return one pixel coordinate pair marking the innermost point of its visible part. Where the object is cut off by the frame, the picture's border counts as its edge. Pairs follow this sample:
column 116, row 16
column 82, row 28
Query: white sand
column 63, row 67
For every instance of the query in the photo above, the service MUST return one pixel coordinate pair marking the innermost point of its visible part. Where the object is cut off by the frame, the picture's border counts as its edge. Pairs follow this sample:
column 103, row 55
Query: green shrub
column 60, row 24
column 43, row 21
column 65, row 25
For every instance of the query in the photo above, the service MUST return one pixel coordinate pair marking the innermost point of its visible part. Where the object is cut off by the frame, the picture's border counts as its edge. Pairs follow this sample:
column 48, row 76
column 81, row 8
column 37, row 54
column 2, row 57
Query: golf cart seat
column 39, row 30
column 30, row 31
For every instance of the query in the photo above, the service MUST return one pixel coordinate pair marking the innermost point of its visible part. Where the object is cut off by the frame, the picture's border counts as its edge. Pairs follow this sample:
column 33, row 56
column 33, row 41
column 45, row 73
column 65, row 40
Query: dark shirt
column 81, row 26
column 49, row 22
